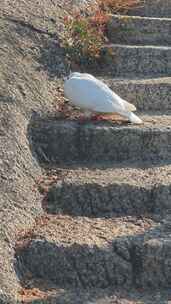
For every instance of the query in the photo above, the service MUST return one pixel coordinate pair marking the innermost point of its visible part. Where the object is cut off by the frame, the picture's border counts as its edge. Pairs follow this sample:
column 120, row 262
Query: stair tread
column 67, row 230
column 132, row 174
column 154, row 121
column 126, row 17
column 130, row 46
column 159, row 80
column 150, row 121
column 47, row 292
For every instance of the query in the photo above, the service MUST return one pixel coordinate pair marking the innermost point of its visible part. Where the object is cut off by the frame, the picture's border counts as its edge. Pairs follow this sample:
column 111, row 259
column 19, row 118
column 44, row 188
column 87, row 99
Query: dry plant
column 85, row 32
column 118, row 6
column 84, row 37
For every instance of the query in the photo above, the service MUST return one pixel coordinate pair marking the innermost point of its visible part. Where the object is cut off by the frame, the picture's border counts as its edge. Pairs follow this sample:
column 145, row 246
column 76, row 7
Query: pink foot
column 82, row 119
column 61, row 108
column 97, row 117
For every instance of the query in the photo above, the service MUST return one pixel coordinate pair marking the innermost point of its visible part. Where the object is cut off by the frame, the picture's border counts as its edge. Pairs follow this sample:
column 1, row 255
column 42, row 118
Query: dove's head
column 72, row 74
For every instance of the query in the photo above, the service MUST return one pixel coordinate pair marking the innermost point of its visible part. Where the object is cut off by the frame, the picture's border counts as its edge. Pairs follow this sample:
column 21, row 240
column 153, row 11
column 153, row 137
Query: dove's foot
column 82, row 119
column 61, row 108
column 97, row 118
column 85, row 118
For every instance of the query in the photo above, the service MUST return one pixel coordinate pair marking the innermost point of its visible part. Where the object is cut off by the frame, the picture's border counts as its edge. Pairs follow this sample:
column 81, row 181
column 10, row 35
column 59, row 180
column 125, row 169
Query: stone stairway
column 106, row 233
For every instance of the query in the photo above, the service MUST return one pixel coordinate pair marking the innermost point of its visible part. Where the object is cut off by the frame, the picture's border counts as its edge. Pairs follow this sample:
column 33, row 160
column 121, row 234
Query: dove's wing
column 127, row 106
column 86, row 92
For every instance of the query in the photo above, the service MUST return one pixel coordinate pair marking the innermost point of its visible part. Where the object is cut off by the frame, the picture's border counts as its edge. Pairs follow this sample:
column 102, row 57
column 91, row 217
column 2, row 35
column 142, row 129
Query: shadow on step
column 66, row 142
column 133, row 261
column 118, row 199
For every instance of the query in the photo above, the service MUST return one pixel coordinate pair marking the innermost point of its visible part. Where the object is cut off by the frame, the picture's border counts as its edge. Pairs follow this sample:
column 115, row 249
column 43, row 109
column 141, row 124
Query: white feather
column 90, row 94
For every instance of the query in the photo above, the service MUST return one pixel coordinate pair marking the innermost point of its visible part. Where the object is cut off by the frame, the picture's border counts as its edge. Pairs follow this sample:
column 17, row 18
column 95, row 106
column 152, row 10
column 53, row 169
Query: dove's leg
column 85, row 116
column 61, row 108
column 97, row 117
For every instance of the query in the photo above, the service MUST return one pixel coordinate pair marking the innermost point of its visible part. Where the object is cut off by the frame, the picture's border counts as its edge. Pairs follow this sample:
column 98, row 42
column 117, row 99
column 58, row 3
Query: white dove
column 93, row 96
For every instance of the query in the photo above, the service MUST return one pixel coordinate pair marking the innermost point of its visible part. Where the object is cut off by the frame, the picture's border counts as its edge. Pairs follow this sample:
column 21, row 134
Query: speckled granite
column 106, row 185
column 139, row 30
column 57, row 141
column 86, row 253
column 115, row 191
column 131, row 61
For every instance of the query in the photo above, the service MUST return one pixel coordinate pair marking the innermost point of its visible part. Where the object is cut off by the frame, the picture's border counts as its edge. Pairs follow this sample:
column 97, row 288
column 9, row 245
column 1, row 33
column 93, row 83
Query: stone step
column 97, row 253
column 145, row 94
column 153, row 8
column 135, row 60
column 64, row 141
column 108, row 192
column 139, row 30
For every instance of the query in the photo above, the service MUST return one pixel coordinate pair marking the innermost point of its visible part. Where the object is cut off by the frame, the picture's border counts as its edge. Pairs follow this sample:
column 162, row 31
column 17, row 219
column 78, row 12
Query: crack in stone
column 28, row 25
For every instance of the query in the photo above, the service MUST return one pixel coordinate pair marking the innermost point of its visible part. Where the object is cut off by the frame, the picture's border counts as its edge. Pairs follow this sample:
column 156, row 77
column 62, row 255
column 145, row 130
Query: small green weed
column 85, row 34
column 84, row 37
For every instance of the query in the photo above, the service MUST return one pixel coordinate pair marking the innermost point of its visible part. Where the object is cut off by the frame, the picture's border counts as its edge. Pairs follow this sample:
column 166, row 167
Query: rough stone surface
column 140, row 30
column 53, row 295
column 157, row 262
column 26, row 56
column 84, row 3
column 133, row 60
column 85, row 252
column 119, row 250
column 57, row 141
column 111, row 192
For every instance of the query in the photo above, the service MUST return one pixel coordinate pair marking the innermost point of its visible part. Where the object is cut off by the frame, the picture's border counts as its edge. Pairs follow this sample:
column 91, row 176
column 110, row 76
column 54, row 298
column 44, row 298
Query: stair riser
column 153, row 8
column 77, row 266
column 145, row 96
column 95, row 200
column 157, row 263
column 139, row 31
column 58, row 142
column 125, row 262
column 136, row 61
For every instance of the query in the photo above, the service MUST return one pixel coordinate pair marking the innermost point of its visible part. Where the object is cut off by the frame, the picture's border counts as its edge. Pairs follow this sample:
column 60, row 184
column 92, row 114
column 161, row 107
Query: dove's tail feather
column 133, row 118
column 129, row 106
